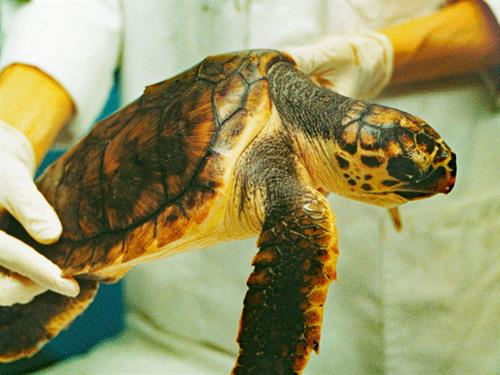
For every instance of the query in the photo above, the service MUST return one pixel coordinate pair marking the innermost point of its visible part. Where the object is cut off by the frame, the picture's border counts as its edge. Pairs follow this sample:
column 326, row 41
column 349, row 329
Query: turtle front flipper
column 283, row 308
column 25, row 328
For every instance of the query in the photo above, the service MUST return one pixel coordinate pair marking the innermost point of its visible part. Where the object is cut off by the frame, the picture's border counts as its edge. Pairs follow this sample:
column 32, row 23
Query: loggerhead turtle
column 240, row 144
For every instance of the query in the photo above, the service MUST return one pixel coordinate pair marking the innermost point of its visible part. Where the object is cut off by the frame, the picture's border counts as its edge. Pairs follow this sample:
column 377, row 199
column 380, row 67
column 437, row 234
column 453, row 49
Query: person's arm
column 76, row 43
column 460, row 38
column 35, row 104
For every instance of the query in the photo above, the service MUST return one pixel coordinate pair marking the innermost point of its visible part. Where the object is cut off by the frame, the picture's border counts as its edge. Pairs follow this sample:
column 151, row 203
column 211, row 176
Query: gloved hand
column 19, row 195
column 358, row 66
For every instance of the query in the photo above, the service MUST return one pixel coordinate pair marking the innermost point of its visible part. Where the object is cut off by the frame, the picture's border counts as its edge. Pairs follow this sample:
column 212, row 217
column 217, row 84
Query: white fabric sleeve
column 75, row 42
column 494, row 6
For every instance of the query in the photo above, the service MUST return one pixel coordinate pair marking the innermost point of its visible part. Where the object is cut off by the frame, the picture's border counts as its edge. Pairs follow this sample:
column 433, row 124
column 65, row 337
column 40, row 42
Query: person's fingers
column 31, row 209
column 16, row 256
column 17, row 289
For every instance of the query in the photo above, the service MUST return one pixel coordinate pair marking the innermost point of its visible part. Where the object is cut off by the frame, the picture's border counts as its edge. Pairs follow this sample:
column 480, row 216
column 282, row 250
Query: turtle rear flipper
column 25, row 328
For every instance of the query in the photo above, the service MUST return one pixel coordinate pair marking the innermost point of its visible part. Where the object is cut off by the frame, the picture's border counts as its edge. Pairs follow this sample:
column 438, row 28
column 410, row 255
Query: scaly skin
column 283, row 308
column 367, row 152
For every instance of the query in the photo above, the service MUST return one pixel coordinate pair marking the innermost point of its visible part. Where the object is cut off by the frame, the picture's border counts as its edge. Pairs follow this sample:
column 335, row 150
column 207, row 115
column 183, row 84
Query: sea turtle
column 241, row 144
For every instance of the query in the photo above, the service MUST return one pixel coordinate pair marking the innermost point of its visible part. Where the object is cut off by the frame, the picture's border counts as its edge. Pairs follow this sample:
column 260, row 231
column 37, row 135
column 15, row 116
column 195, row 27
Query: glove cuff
column 16, row 144
column 358, row 66
column 386, row 53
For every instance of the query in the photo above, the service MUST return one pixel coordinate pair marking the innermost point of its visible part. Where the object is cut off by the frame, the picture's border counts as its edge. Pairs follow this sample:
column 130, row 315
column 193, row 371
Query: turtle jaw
column 390, row 199
column 439, row 180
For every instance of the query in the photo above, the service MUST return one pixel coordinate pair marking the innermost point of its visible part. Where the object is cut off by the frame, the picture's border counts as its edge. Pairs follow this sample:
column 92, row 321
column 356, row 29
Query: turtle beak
column 446, row 182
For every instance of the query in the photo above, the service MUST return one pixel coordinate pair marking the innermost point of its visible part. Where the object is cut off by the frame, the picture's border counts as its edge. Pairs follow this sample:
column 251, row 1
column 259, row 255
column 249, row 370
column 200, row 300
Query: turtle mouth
column 408, row 194
column 414, row 194
column 436, row 181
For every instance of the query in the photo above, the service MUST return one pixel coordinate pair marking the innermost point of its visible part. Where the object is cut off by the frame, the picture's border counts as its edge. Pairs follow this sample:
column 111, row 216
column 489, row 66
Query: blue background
column 102, row 320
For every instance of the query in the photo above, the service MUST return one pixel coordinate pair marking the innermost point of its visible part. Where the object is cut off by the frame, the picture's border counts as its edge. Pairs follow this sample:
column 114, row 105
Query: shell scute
column 132, row 180
column 171, row 224
column 80, row 261
column 249, row 73
column 139, row 241
column 80, row 184
column 208, row 177
column 230, row 96
column 217, row 68
column 256, row 106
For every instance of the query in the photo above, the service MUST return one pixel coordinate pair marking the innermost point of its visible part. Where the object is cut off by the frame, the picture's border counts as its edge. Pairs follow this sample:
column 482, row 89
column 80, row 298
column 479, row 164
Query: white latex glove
column 19, row 195
column 358, row 66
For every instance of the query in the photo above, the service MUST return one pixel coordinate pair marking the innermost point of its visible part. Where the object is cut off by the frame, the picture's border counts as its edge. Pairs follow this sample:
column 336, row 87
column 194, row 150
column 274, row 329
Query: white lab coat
column 424, row 301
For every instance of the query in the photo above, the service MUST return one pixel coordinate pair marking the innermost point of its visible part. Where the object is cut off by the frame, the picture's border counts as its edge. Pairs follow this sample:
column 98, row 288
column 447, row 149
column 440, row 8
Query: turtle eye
column 403, row 169
column 441, row 155
column 409, row 177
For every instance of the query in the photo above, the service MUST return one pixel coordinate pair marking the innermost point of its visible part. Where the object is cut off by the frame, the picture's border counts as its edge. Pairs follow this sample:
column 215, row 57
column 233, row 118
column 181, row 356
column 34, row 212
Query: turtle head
column 363, row 151
column 387, row 157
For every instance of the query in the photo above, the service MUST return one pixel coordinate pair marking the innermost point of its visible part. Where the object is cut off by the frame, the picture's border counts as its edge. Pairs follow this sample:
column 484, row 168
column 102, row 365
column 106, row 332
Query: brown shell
column 146, row 173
